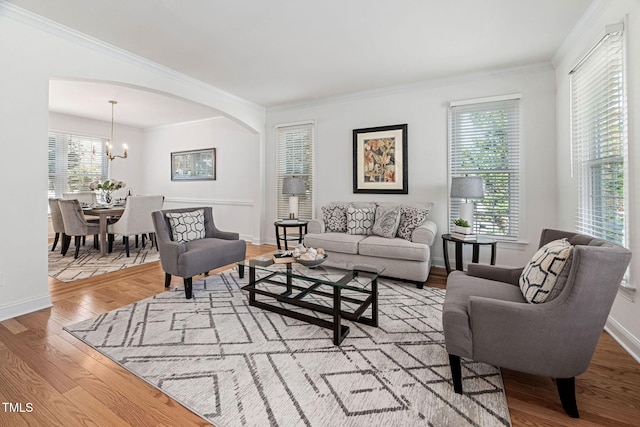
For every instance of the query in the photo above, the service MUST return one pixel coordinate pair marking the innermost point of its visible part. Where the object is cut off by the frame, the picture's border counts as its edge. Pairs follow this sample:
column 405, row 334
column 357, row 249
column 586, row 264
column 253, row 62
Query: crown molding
column 399, row 89
column 51, row 27
column 586, row 22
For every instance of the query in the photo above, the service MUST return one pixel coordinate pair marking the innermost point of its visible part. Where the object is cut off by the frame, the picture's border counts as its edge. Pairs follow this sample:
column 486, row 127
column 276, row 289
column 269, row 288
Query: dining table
column 104, row 213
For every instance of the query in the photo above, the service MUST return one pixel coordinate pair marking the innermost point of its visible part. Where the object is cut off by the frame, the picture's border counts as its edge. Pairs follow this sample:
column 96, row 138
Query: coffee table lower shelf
column 339, row 331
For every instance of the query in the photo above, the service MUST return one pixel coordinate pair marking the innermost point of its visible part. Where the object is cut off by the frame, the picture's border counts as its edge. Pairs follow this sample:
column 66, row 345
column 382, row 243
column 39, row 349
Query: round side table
column 480, row 241
column 301, row 225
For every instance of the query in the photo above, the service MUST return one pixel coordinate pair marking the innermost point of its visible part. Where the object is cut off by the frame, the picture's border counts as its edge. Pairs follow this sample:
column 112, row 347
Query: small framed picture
column 194, row 165
column 380, row 160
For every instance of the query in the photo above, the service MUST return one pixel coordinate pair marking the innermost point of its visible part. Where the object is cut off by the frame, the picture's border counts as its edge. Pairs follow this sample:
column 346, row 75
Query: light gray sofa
column 400, row 258
column 486, row 317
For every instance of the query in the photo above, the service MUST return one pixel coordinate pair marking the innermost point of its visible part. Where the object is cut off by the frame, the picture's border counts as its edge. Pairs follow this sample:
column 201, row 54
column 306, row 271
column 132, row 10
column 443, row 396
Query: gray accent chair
column 486, row 318
column 75, row 225
column 188, row 259
column 56, row 222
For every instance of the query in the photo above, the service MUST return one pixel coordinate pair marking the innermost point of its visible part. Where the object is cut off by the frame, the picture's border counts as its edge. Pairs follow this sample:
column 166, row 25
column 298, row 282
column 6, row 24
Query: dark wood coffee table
column 338, row 292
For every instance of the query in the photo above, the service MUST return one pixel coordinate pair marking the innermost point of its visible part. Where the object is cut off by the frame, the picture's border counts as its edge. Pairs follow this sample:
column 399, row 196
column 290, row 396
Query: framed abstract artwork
column 380, row 160
column 194, row 165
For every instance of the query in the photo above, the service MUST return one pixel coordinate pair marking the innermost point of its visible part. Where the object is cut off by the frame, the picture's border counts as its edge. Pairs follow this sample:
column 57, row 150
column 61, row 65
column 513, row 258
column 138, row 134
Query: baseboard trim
column 9, row 311
column 630, row 343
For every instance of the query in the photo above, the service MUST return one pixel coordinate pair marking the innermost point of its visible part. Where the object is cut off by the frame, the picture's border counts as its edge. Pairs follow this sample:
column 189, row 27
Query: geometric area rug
column 90, row 261
column 237, row 365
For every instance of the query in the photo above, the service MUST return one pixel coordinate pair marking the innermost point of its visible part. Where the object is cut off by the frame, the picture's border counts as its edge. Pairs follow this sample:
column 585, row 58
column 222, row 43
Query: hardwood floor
column 56, row 380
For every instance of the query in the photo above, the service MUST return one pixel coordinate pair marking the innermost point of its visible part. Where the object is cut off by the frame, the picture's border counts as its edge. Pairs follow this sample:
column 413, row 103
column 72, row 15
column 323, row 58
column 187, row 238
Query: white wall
column 624, row 322
column 34, row 50
column 237, row 168
column 424, row 109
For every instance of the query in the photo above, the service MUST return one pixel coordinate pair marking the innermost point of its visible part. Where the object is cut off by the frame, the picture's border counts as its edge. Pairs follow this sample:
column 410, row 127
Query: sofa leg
column 167, row 280
column 456, row 373
column 241, row 271
column 567, row 392
column 188, row 287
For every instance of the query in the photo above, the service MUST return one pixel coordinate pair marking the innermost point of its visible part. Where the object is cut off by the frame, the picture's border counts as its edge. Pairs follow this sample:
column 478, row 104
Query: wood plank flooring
column 66, row 383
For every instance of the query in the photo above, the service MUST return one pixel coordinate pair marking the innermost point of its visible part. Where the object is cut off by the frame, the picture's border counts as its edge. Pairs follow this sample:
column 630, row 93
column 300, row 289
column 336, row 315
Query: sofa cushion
column 386, row 222
column 393, row 248
column 546, row 274
column 334, row 242
column 411, row 218
column 187, row 226
column 360, row 220
column 335, row 217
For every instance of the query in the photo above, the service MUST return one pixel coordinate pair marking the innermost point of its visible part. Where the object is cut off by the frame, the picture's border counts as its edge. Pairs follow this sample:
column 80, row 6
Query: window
column 295, row 158
column 75, row 161
column 484, row 140
column 599, row 139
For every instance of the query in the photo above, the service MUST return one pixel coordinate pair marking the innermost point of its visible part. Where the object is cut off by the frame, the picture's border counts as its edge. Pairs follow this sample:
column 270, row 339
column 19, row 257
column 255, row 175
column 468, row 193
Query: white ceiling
column 279, row 52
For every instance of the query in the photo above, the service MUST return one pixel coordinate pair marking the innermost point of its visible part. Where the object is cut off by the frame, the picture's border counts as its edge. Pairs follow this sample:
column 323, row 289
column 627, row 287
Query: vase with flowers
column 107, row 188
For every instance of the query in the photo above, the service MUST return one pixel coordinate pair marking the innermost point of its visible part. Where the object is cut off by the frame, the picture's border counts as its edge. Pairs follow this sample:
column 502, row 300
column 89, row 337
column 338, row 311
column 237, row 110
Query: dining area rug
column 91, row 262
column 238, row 365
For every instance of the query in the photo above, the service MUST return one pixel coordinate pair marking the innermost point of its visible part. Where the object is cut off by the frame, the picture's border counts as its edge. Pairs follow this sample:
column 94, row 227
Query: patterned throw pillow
column 546, row 274
column 360, row 221
column 387, row 220
column 411, row 218
column 335, row 218
column 187, row 226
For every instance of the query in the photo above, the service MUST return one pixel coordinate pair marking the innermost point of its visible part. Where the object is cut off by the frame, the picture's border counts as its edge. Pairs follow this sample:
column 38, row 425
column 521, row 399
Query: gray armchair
column 194, row 257
column 487, row 319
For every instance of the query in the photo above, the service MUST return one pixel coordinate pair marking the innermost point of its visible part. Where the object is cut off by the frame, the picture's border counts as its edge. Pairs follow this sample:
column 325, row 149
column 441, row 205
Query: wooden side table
column 301, row 225
column 480, row 241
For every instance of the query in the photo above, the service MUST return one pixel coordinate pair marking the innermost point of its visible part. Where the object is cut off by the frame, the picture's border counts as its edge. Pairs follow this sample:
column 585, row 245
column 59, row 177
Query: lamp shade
column 293, row 185
column 467, row 187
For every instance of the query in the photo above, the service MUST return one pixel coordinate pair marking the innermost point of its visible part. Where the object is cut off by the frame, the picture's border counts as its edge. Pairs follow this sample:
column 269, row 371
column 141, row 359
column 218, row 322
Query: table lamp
column 293, row 186
column 467, row 187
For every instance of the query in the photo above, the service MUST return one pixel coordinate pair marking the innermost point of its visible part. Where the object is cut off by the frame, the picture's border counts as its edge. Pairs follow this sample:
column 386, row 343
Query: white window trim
column 518, row 240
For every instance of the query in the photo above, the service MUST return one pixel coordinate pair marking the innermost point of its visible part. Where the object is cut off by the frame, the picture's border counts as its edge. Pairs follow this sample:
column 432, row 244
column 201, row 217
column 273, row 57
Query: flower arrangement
column 461, row 223
column 107, row 187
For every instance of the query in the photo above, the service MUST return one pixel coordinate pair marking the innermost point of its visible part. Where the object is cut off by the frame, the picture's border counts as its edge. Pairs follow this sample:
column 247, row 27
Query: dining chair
column 84, row 197
column 56, row 222
column 76, row 225
column 135, row 220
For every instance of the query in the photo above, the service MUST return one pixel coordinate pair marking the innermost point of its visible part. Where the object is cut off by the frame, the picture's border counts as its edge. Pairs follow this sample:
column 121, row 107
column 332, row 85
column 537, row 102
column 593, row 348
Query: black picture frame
column 380, row 160
column 193, row 165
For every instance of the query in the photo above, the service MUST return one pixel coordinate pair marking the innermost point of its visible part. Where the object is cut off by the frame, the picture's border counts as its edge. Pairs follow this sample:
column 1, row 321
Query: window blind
column 295, row 151
column 74, row 161
column 484, row 140
column 599, row 139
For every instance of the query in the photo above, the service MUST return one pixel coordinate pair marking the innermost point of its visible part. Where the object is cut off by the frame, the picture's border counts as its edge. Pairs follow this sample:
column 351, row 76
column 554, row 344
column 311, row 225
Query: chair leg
column 144, row 240
column 77, row 242
column 567, row 392
column 126, row 245
column 456, row 373
column 136, row 240
column 66, row 242
column 167, row 280
column 55, row 241
column 84, row 240
column 188, row 287
column 241, row 271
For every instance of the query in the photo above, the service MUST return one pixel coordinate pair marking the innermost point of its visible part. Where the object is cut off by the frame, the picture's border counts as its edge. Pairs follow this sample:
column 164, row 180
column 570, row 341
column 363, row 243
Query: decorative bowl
column 311, row 263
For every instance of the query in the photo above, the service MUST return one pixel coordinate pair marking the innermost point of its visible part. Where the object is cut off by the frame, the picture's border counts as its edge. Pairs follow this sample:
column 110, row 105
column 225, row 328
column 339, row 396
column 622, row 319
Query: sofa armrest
column 425, row 233
column 316, row 226
column 492, row 272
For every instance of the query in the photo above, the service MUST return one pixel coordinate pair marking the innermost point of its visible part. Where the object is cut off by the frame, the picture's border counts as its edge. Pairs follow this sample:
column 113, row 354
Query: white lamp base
column 293, row 206
column 466, row 212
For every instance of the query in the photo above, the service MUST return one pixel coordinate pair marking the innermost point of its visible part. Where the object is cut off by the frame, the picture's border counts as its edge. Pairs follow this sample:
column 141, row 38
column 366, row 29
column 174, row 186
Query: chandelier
column 110, row 154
